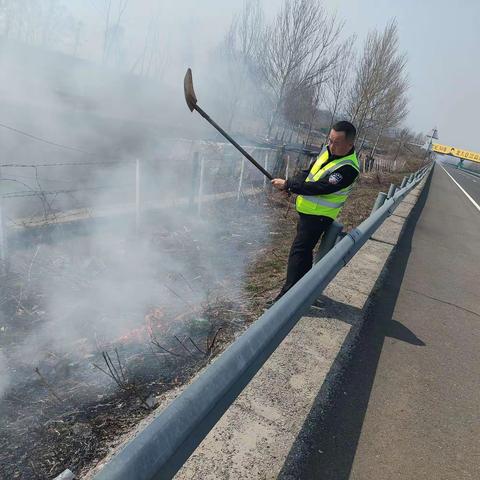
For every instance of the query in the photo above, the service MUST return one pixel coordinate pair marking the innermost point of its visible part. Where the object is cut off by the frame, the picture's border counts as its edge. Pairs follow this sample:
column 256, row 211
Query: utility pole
column 434, row 135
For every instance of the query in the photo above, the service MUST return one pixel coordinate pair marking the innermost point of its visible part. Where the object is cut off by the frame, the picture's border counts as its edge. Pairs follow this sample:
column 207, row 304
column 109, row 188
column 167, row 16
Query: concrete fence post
column 381, row 197
column 3, row 238
column 3, row 233
column 137, row 194
column 200, row 185
column 240, row 180
column 193, row 187
column 267, row 153
column 328, row 240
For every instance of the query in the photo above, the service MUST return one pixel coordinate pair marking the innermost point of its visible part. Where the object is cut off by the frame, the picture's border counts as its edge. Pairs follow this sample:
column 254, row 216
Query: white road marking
column 458, row 185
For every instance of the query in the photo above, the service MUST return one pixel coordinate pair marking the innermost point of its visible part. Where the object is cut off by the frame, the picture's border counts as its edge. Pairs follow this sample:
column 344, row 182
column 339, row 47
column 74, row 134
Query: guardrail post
column 391, row 190
column 404, row 182
column 137, row 195
column 381, row 197
column 328, row 240
column 410, row 178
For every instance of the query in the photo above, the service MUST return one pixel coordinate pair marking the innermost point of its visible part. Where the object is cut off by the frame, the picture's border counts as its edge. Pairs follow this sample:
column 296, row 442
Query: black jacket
column 341, row 178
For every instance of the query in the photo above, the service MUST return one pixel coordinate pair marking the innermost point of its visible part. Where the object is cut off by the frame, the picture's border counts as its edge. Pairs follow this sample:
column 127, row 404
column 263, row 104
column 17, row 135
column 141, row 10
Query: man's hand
column 279, row 183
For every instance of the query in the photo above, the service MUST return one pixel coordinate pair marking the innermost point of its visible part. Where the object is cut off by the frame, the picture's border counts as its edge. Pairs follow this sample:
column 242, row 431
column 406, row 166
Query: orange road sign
column 456, row 152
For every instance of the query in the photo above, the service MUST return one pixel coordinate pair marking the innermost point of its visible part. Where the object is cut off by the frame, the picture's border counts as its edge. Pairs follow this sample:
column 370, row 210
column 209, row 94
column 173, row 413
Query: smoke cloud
column 77, row 112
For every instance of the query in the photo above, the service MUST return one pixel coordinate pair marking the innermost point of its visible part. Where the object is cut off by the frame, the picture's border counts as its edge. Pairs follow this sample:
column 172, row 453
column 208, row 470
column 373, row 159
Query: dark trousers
column 300, row 259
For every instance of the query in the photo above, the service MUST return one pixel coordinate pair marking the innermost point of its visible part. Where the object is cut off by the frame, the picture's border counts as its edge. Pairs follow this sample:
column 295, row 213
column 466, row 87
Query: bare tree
column 14, row 16
column 298, row 50
column 45, row 23
column 377, row 99
column 393, row 110
column 237, row 54
column 153, row 58
column 337, row 84
column 112, row 12
column 402, row 137
column 303, row 108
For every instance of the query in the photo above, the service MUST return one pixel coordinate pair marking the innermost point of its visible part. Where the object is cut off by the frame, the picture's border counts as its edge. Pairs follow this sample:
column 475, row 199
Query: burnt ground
column 64, row 410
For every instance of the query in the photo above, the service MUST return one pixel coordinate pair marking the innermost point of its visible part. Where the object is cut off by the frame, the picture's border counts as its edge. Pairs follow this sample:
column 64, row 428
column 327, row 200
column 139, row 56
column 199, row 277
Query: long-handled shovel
column 192, row 105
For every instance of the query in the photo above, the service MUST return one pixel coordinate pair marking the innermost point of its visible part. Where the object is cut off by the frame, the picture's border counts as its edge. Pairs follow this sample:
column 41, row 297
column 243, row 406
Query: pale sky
column 441, row 39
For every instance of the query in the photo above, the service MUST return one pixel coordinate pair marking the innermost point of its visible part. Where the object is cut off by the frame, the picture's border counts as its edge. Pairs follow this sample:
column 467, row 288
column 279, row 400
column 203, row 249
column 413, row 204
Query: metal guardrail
column 161, row 449
column 467, row 170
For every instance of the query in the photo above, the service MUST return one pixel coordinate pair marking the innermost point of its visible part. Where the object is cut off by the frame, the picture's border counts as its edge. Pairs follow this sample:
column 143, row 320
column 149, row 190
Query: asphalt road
column 409, row 406
column 470, row 183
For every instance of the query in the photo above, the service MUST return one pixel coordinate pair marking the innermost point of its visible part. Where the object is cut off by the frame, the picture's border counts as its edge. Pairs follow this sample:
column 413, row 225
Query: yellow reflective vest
column 331, row 204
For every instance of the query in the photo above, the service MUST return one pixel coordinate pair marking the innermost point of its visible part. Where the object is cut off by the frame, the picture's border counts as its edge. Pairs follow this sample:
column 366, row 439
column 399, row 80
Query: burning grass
column 63, row 415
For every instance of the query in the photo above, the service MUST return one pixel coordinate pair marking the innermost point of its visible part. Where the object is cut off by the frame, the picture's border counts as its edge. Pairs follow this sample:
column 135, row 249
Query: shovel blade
column 190, row 96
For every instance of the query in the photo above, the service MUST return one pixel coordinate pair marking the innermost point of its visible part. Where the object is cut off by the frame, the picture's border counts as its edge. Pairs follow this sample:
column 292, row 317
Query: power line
column 23, row 165
column 48, row 142
column 36, row 193
column 43, row 179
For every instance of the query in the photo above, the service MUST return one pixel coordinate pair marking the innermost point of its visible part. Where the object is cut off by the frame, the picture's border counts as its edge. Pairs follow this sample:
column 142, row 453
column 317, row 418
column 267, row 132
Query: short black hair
column 347, row 127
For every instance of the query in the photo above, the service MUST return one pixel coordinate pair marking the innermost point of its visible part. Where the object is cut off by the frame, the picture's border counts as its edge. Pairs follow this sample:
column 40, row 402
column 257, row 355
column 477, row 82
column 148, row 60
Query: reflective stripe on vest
column 328, row 205
column 311, row 178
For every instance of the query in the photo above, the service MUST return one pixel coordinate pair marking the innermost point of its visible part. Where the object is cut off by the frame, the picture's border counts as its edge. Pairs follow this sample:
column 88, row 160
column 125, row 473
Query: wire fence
column 188, row 172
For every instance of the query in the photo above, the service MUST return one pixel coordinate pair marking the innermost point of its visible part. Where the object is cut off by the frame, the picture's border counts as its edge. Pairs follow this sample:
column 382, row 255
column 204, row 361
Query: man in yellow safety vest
column 322, row 191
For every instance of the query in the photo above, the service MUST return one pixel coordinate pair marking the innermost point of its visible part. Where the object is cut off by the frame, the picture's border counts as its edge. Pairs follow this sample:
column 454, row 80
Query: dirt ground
column 47, row 425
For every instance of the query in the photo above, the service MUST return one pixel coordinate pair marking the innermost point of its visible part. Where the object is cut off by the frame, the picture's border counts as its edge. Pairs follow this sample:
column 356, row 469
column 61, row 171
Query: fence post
column 193, row 184
column 287, row 167
column 137, row 194
column 3, row 239
column 410, row 178
column 404, row 182
column 391, row 190
column 200, row 186
column 329, row 238
column 381, row 197
column 240, row 180
column 3, row 233
column 267, row 153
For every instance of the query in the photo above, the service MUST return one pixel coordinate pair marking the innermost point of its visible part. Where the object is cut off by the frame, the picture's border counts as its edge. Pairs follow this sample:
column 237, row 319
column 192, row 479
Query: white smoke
column 100, row 283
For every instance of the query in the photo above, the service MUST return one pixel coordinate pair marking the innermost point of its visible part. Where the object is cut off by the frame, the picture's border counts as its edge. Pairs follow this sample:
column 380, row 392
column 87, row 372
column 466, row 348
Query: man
column 322, row 191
